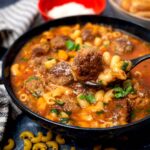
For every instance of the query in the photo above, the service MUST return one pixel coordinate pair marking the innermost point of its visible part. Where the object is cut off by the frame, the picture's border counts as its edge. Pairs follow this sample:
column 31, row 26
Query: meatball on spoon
column 87, row 64
column 134, row 62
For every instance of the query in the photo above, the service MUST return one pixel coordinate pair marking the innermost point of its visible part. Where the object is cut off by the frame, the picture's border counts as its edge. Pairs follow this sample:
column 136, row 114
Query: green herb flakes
column 120, row 92
column 24, row 59
column 36, row 95
column 68, row 112
column 100, row 112
column 88, row 97
column 148, row 111
column 64, row 120
column 72, row 46
column 32, row 78
column 59, row 102
column 54, row 111
column 125, row 65
column 82, row 96
column 133, row 115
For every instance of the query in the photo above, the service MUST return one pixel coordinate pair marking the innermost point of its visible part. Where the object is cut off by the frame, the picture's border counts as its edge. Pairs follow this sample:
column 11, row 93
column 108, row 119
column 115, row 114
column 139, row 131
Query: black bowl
column 72, row 131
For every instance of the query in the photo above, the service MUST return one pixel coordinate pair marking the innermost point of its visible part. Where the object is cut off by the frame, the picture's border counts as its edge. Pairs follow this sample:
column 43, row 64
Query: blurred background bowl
column 45, row 5
column 119, row 11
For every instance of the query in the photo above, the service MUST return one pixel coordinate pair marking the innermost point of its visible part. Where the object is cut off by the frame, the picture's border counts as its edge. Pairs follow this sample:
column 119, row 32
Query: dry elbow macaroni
column 39, row 142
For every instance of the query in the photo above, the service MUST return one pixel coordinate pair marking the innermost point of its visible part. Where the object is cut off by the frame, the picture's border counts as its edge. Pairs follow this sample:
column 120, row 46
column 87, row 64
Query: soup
column 48, row 74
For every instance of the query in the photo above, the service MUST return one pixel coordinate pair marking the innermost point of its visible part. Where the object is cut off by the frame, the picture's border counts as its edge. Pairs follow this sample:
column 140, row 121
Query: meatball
column 118, row 111
column 34, row 86
column 87, row 64
column 140, row 100
column 122, row 45
column 87, row 35
column 58, row 42
column 60, row 74
column 70, row 104
column 40, row 49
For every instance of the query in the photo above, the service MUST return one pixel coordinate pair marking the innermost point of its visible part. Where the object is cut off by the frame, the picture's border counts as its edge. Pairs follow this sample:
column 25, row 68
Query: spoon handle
column 136, row 61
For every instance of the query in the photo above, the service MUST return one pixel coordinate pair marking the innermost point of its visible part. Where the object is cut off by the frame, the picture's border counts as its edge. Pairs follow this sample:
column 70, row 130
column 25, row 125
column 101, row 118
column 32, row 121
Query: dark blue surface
column 137, row 141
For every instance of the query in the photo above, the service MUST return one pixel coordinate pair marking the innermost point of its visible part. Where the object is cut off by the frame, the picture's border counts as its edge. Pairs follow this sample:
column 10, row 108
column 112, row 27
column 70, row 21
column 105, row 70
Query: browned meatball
column 69, row 104
column 60, row 74
column 34, row 86
column 122, row 45
column 87, row 64
column 87, row 35
column 118, row 111
column 58, row 42
column 40, row 49
column 140, row 100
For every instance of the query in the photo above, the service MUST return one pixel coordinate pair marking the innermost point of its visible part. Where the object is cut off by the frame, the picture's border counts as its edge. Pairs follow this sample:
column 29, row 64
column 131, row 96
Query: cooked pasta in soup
column 48, row 75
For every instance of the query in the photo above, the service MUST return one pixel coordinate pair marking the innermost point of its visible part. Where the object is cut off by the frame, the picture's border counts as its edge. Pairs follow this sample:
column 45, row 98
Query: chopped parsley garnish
column 133, row 115
column 32, row 78
column 60, row 103
column 50, row 58
column 100, row 112
column 77, row 47
column 105, row 104
column 120, row 92
column 148, row 111
column 54, row 111
column 24, row 59
column 88, row 97
column 72, row 46
column 125, row 65
column 100, row 82
column 82, row 96
column 64, row 120
column 68, row 112
column 36, row 95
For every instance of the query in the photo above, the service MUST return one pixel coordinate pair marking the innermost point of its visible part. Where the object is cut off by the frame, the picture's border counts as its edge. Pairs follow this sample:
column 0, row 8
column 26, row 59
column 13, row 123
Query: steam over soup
column 48, row 73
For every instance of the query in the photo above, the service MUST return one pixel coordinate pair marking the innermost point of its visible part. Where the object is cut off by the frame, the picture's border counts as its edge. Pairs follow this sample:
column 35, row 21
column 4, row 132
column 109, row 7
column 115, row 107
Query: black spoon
column 134, row 62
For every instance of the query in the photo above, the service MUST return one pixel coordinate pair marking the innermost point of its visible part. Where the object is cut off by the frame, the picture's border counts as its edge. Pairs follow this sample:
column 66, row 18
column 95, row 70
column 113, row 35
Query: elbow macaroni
column 99, row 96
column 10, row 145
column 48, row 137
column 114, row 70
column 39, row 146
column 23, row 97
column 75, row 34
column 106, row 58
column 27, row 144
column 15, row 69
column 38, row 138
column 108, row 96
column 26, row 135
column 52, row 144
column 82, row 103
column 59, row 139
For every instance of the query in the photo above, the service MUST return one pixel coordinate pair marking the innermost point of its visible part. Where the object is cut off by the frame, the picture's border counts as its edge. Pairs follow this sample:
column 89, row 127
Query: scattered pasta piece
column 10, row 145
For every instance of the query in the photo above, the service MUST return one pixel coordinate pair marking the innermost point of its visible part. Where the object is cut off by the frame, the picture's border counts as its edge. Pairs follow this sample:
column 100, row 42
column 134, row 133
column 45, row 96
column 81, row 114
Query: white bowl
column 115, row 4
